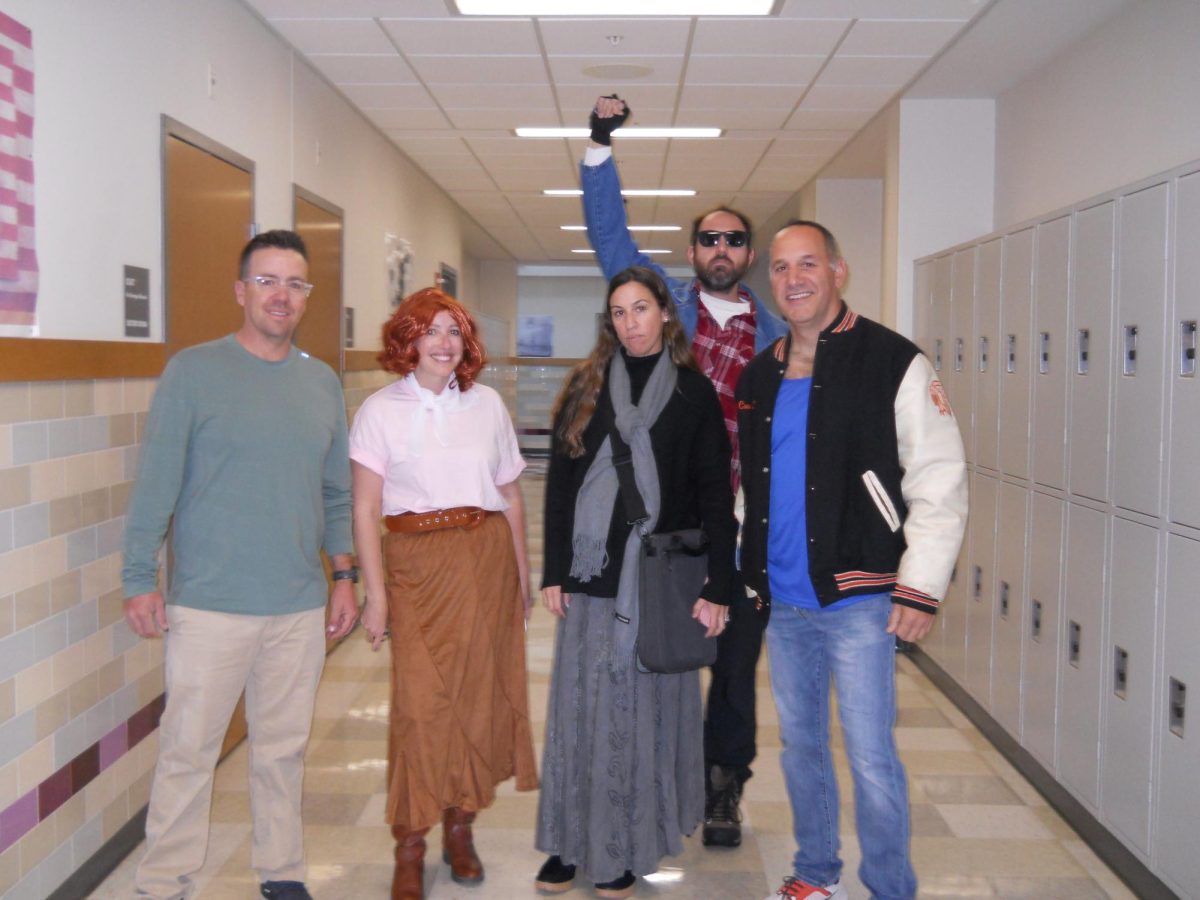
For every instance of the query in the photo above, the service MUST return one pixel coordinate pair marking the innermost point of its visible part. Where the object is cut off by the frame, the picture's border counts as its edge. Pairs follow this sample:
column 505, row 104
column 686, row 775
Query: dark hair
column 279, row 238
column 412, row 317
column 831, row 245
column 725, row 209
column 576, row 402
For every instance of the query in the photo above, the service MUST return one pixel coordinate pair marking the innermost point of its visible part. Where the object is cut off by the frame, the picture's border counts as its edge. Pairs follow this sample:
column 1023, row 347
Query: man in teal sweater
column 246, row 455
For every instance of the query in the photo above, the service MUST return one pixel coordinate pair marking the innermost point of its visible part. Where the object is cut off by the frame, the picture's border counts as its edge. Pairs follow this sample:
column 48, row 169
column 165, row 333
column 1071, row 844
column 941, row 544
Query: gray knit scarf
column 598, row 493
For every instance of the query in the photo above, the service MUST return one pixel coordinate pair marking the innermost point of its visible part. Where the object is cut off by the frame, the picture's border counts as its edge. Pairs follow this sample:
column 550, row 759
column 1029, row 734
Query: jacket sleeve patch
column 937, row 394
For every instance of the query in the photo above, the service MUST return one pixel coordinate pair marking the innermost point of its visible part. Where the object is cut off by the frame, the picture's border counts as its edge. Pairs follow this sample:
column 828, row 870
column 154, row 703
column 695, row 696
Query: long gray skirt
column 623, row 768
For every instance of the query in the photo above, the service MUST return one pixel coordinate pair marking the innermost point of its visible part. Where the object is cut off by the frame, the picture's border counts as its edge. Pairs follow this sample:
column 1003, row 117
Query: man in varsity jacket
column 852, row 546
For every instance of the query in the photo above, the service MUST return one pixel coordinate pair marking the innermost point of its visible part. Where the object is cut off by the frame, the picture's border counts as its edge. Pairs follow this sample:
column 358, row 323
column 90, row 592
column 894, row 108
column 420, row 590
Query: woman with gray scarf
column 623, row 769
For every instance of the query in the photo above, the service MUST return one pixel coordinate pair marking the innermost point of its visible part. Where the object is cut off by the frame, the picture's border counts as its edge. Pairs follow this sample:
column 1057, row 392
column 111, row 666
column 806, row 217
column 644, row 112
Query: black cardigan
column 691, row 448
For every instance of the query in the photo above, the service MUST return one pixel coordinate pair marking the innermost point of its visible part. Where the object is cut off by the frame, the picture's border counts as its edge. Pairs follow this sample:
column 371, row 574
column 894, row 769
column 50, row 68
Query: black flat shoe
column 618, row 887
column 555, row 878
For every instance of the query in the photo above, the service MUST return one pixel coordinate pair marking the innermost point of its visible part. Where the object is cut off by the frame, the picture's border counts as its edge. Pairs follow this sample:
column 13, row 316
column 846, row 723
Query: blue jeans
column 806, row 648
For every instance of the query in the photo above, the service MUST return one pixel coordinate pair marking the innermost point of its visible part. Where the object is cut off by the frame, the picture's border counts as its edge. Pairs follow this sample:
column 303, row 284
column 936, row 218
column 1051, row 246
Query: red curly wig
column 410, row 320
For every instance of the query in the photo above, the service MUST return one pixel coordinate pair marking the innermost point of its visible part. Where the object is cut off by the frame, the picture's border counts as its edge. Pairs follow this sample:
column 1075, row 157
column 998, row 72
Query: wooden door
column 320, row 225
column 208, row 198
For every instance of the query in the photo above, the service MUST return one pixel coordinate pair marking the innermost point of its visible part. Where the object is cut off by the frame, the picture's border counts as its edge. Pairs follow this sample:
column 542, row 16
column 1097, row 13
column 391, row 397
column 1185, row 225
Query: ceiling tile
column 777, row 179
column 878, row 70
column 875, row 37
column 345, row 68
column 747, row 118
column 883, row 9
column 513, row 147
column 456, row 35
column 509, row 96
column 421, row 145
column 753, row 70
column 464, row 180
column 525, row 180
column 581, row 98
column 715, row 96
column 334, row 35
column 407, row 119
column 590, row 37
column 388, row 96
column 841, row 96
column 768, row 36
column 573, row 70
column 366, row 9
column 480, row 69
column 493, row 118
column 848, row 119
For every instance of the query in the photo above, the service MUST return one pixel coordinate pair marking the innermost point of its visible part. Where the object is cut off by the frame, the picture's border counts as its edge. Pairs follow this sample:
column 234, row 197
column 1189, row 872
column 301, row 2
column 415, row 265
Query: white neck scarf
column 429, row 413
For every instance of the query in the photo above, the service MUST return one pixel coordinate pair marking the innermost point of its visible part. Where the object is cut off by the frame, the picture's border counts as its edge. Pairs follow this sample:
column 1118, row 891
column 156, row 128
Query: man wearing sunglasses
column 246, row 458
column 727, row 326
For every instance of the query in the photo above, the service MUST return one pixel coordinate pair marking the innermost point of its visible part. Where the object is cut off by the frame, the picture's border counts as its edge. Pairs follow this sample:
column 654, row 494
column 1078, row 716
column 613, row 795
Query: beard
column 718, row 281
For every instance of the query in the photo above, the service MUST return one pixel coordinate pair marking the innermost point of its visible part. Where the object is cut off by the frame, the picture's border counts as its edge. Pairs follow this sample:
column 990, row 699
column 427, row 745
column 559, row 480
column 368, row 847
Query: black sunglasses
column 732, row 238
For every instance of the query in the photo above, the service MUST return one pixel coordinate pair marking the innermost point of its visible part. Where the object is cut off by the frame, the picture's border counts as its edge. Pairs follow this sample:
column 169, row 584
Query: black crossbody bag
column 672, row 568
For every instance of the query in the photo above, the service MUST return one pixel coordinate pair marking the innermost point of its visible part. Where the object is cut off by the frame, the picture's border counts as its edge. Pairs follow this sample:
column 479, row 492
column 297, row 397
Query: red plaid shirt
column 722, row 353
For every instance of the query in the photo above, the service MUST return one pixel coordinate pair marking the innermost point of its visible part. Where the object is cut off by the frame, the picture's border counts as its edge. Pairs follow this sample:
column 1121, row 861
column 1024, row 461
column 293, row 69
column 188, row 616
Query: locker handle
column 1187, row 349
column 1074, row 643
column 977, row 590
column 983, row 353
column 958, row 354
column 1177, row 700
column 1004, row 599
column 1129, row 361
column 1035, row 624
column 1044, row 354
column 1081, row 362
column 937, row 355
column 1120, row 672
column 1011, row 361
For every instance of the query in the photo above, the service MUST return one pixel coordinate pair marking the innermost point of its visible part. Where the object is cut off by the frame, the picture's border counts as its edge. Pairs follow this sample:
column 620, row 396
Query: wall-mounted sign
column 137, row 302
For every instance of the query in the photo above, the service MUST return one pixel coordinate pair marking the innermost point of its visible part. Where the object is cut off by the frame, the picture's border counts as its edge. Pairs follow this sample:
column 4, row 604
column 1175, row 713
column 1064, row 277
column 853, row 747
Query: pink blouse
column 436, row 451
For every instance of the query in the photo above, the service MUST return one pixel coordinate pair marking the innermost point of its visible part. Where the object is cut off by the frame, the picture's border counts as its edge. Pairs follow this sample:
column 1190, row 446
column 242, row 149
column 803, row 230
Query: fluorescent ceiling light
column 612, row 8
column 628, row 227
column 626, row 133
column 666, row 192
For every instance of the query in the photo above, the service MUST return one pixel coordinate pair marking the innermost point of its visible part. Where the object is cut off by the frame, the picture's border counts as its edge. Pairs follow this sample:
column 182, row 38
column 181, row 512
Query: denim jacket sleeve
column 607, row 227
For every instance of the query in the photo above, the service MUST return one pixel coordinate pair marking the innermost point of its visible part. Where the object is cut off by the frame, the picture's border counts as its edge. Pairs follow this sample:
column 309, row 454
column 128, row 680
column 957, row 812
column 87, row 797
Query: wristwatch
column 350, row 574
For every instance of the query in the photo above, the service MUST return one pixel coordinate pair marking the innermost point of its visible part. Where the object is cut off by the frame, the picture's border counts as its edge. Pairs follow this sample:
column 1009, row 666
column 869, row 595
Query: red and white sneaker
column 795, row 889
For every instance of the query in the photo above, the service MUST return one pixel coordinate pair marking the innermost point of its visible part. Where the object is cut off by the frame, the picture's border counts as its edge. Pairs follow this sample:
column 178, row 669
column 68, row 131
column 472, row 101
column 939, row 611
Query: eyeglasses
column 293, row 285
column 732, row 238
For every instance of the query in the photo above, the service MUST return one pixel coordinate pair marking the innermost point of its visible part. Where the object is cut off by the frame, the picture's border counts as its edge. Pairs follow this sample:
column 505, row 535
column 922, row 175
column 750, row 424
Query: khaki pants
column 210, row 658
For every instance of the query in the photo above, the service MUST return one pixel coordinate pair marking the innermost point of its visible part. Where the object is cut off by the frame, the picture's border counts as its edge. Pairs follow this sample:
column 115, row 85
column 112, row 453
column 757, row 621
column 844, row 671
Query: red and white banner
column 18, row 255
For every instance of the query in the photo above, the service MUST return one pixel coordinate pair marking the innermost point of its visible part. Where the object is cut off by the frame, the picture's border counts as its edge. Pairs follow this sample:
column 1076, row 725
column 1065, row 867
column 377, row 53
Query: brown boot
column 458, row 846
column 408, row 881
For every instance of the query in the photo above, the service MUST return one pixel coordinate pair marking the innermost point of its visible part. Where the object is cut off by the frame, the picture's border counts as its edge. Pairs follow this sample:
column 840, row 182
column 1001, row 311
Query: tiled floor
column 979, row 829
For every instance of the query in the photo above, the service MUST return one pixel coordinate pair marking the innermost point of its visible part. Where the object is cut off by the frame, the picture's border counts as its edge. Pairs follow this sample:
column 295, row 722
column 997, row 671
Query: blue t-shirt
column 787, row 534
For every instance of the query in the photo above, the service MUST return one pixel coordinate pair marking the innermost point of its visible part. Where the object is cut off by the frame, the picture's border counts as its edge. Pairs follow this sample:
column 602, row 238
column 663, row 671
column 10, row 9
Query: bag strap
column 622, row 457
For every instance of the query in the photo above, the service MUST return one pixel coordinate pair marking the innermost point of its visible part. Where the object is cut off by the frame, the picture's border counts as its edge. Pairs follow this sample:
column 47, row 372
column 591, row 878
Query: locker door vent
column 1035, row 621
column 1175, row 706
column 1081, row 360
column 1010, row 364
column 958, row 354
column 1074, row 643
column 1004, row 599
column 983, row 354
column 977, row 588
column 1120, row 672
column 937, row 355
column 1044, row 353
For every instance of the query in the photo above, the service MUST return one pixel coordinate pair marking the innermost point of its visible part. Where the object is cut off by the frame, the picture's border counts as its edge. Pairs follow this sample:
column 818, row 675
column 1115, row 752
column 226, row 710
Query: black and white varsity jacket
column 886, row 486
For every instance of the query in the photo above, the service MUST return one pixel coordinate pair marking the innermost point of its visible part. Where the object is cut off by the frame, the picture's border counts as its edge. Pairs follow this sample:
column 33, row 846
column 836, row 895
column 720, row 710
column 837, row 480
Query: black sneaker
column 617, row 888
column 722, row 818
column 285, row 890
column 555, row 878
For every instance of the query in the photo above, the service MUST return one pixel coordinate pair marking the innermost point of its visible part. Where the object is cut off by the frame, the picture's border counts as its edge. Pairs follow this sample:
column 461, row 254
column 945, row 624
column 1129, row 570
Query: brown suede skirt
column 460, row 700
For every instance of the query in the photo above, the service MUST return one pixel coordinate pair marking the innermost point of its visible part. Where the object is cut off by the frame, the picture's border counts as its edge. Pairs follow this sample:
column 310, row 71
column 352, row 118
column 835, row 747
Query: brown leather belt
column 455, row 517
